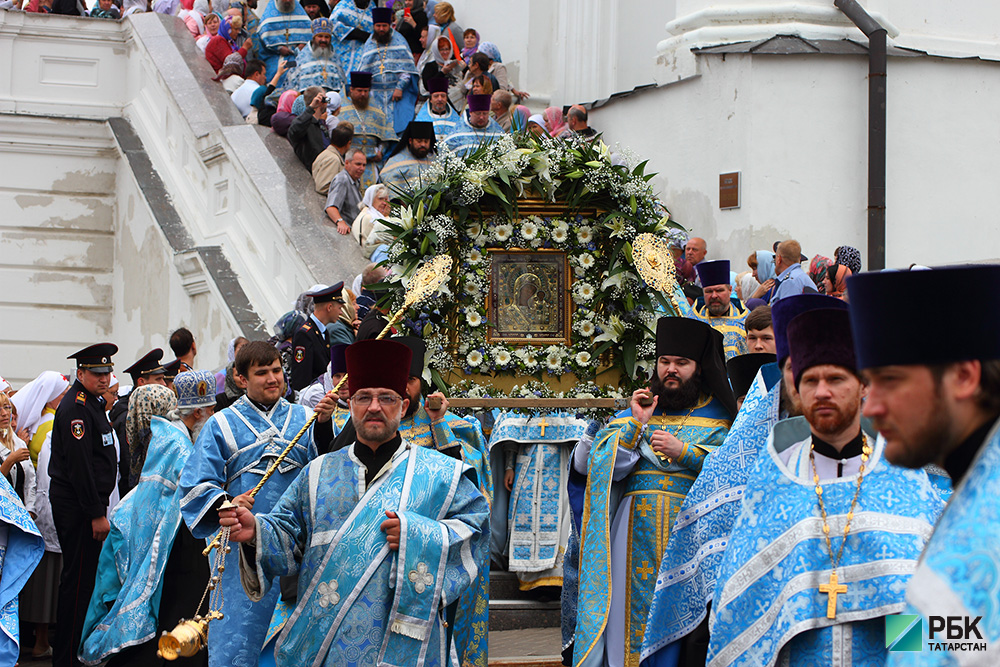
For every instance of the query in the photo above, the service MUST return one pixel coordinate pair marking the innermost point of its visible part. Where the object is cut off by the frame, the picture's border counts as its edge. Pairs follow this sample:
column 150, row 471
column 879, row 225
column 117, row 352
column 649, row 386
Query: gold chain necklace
column 832, row 588
column 677, row 431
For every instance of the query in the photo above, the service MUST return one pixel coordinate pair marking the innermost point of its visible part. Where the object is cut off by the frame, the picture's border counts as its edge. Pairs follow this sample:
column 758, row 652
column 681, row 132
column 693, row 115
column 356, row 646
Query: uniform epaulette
column 307, row 327
column 81, row 398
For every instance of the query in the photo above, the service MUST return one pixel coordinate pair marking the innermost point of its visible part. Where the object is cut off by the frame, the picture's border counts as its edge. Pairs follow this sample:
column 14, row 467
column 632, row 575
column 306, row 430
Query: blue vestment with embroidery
column 391, row 66
column 361, row 604
column 959, row 571
column 697, row 542
column 534, row 529
column 345, row 17
column 402, row 172
column 21, row 549
column 370, row 129
column 232, row 453
column 124, row 608
column 653, row 492
column 279, row 29
column 312, row 71
column 443, row 126
column 465, row 139
column 462, row 439
column 767, row 604
column 731, row 327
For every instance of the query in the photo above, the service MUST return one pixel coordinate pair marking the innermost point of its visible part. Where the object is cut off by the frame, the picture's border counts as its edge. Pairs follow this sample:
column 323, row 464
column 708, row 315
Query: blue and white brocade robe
column 391, row 66
column 443, row 125
column 371, row 131
column 701, row 530
column 361, row 604
column 345, row 17
column 632, row 539
column 402, row 172
column 232, row 453
column 767, row 606
column 21, row 549
column 465, row 139
column 959, row 570
column 731, row 327
column 462, row 439
column 279, row 29
column 124, row 608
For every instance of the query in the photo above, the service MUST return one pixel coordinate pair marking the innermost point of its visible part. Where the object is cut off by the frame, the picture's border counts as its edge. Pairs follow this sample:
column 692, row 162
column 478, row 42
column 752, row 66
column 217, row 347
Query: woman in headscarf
column 443, row 63
column 374, row 207
column 168, row 7
column 231, row 74
column 36, row 405
column 222, row 376
column 212, row 23
column 765, row 275
column 519, row 116
column 146, row 401
column 283, row 117
column 444, row 16
column 536, row 125
column 554, row 123
column 817, row 271
column 849, row 257
column 193, row 19
column 333, row 103
column 837, row 287
column 223, row 44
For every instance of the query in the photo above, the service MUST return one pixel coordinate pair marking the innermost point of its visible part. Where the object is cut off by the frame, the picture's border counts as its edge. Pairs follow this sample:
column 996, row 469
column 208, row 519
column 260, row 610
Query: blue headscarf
column 765, row 266
column 491, row 50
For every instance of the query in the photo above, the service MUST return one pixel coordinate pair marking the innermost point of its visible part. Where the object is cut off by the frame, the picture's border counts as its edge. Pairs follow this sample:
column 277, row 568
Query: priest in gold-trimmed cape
column 648, row 457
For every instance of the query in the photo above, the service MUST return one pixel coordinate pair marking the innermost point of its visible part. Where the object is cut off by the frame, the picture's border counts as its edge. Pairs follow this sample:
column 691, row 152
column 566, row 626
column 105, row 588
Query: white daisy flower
column 503, row 232
column 474, row 358
column 560, row 234
column 584, row 292
column 502, row 358
column 587, row 328
column 584, row 234
column 529, row 230
column 473, row 318
column 583, row 358
column 475, row 256
column 475, row 230
column 587, row 261
column 553, row 361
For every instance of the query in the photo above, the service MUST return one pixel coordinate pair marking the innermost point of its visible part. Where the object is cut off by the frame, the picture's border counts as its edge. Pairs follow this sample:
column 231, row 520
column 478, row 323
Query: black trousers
column 76, row 583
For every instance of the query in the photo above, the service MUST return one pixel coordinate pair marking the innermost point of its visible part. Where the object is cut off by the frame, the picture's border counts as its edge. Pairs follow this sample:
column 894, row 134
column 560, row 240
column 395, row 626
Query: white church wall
column 796, row 129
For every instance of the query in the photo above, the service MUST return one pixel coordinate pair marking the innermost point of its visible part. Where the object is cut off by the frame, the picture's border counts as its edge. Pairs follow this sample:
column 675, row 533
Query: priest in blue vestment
column 412, row 156
column 724, row 313
column 935, row 397
column 394, row 77
column 317, row 64
column 21, row 549
column 151, row 572
column 352, row 25
column 372, row 131
column 829, row 532
column 230, row 456
column 655, row 453
column 677, row 627
column 438, row 110
column 474, row 129
column 384, row 536
column 284, row 28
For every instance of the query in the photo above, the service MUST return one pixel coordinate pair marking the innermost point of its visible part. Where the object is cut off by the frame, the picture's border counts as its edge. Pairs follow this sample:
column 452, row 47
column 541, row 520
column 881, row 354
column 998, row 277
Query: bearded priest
column 829, row 531
column 656, row 451
column 384, row 536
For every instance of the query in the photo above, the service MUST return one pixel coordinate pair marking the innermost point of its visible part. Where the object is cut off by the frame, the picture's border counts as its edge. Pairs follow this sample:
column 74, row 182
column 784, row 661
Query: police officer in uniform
column 148, row 370
column 310, row 346
column 170, row 371
column 83, row 471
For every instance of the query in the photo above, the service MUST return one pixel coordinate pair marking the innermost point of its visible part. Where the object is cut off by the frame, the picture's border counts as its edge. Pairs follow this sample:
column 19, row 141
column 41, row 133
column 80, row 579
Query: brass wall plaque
column 729, row 190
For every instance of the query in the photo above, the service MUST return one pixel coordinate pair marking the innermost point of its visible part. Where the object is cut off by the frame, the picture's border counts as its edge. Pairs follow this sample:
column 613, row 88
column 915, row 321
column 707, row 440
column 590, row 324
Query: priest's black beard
column 412, row 408
column 682, row 398
column 383, row 39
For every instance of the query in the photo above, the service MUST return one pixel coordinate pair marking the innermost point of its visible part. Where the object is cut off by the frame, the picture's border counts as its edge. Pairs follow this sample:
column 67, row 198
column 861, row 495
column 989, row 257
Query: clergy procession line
column 772, row 510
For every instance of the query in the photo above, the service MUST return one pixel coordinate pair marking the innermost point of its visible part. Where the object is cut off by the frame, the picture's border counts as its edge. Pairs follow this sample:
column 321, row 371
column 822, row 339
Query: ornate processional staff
column 191, row 635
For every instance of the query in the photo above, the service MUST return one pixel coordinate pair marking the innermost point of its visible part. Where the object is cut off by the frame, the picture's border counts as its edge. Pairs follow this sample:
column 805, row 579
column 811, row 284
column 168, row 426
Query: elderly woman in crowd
column 146, row 402
column 374, row 207
column 555, row 123
column 231, row 74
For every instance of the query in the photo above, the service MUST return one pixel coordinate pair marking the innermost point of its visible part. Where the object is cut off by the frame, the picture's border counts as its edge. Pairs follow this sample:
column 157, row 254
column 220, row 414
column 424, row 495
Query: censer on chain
column 191, row 635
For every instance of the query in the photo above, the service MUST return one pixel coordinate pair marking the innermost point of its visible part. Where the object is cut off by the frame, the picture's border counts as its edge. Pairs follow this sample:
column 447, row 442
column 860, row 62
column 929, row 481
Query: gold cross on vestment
column 645, row 570
column 643, row 507
column 543, row 424
column 832, row 590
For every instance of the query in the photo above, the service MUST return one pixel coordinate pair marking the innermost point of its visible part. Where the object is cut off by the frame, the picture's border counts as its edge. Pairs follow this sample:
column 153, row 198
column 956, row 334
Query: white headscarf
column 32, row 398
column 4, row 385
column 333, row 104
column 369, row 200
column 433, row 32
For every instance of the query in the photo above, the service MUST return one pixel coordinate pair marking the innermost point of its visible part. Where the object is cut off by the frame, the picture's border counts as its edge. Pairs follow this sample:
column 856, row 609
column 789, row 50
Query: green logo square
column 904, row 632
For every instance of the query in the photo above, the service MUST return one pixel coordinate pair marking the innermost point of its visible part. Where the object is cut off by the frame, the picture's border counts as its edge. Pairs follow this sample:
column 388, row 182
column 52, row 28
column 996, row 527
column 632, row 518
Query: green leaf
column 628, row 357
column 632, row 204
column 439, row 381
column 601, row 349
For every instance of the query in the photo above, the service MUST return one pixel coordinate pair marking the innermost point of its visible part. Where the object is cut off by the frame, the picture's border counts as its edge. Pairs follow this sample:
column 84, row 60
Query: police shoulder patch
column 81, row 397
column 300, row 354
column 76, row 428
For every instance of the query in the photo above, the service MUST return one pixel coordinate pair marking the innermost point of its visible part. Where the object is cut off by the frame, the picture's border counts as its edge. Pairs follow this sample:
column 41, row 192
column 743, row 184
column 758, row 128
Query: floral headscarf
column 849, row 257
column 231, row 66
column 144, row 402
column 817, row 270
column 491, row 50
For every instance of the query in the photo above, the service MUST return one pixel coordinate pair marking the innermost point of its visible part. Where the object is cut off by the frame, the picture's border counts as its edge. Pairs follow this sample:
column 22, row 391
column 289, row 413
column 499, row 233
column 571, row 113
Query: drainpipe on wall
column 876, row 127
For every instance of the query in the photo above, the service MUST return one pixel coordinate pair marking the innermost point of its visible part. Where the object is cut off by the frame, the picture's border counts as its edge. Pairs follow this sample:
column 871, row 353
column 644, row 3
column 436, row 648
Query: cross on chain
column 645, row 570
column 832, row 589
column 543, row 424
column 643, row 507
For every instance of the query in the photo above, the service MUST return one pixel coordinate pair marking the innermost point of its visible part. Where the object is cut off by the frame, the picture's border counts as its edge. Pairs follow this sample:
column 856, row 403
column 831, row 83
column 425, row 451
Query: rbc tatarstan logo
column 956, row 634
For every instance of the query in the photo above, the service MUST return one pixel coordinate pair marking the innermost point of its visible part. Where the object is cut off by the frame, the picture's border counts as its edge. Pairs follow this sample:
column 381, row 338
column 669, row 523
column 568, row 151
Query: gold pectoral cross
column 543, row 424
column 832, row 589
